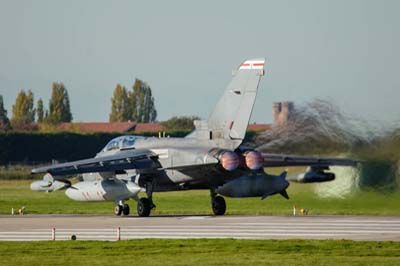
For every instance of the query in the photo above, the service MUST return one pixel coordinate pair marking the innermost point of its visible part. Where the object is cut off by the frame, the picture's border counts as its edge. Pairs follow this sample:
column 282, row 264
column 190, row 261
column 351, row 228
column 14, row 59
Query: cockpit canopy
column 121, row 143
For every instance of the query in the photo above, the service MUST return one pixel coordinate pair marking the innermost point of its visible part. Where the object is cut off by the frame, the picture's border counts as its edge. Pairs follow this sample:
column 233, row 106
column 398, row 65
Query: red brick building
column 131, row 127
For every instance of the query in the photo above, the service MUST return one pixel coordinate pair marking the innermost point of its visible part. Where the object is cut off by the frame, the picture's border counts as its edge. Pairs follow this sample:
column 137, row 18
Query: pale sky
column 347, row 51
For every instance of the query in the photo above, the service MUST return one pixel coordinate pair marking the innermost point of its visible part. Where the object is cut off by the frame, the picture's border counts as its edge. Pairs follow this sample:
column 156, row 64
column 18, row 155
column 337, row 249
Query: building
column 131, row 127
column 91, row 127
column 281, row 112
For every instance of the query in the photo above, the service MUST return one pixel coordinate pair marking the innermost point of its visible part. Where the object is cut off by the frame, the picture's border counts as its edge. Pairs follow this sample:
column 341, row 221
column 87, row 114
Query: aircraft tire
column 118, row 210
column 219, row 205
column 125, row 210
column 144, row 207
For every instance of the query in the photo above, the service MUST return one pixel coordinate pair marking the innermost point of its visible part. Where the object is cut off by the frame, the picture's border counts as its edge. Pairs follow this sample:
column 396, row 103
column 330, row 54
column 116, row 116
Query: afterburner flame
column 229, row 160
column 254, row 160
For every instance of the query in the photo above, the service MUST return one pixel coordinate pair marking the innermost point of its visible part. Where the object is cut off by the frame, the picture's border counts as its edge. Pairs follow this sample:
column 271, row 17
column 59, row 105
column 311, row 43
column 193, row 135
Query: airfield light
column 118, row 233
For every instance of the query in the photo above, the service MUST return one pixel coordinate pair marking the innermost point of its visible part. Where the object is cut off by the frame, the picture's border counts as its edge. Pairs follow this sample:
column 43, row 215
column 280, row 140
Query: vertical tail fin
column 231, row 116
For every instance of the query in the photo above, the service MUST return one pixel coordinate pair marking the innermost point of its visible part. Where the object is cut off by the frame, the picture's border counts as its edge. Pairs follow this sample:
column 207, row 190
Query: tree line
column 136, row 105
column 24, row 112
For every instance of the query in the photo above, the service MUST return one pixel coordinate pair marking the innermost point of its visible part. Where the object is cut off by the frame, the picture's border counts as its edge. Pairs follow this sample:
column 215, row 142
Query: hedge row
column 33, row 148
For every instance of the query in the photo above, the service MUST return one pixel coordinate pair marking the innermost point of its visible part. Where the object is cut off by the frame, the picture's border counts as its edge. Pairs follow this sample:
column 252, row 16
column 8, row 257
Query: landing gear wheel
column 125, row 209
column 218, row 205
column 144, row 207
column 118, row 210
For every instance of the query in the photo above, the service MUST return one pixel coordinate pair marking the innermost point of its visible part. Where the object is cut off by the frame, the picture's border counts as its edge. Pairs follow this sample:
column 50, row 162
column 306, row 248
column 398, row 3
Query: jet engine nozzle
column 253, row 160
column 229, row 160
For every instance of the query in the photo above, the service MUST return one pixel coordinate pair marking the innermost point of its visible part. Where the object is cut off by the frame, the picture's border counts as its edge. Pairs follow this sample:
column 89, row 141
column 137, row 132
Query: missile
column 313, row 175
column 260, row 185
column 48, row 184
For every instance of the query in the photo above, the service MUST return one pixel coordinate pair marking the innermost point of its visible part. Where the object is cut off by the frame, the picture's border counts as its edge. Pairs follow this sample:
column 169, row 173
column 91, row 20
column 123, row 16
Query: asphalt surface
column 39, row 227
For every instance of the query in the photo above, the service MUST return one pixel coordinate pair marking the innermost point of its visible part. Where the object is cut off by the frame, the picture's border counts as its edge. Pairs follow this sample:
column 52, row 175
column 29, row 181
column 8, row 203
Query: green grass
column 16, row 193
column 200, row 252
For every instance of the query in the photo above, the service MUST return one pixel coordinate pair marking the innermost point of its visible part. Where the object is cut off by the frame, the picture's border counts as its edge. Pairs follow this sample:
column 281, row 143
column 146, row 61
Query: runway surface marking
column 39, row 227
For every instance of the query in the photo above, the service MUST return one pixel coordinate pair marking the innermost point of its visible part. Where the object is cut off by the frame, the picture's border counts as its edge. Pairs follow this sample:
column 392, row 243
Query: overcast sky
column 347, row 51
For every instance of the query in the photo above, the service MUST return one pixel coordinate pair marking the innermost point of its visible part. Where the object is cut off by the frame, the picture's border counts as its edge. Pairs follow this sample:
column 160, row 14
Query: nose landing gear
column 121, row 209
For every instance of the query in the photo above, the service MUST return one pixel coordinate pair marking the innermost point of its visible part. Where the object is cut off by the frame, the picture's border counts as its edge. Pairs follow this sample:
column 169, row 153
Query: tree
column 59, row 108
column 136, row 105
column 180, row 122
column 23, row 111
column 4, row 121
column 120, row 110
column 40, row 110
column 141, row 102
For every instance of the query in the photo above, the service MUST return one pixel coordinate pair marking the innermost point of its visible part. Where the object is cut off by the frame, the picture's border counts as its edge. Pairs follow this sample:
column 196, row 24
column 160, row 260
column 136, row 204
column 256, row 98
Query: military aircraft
column 211, row 157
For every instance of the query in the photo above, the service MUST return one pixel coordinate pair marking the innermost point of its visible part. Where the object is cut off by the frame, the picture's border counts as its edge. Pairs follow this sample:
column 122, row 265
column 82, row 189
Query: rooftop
column 98, row 126
column 131, row 127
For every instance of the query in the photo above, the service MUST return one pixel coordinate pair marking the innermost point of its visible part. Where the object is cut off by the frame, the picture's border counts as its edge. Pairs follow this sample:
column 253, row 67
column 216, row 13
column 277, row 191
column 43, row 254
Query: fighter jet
column 211, row 157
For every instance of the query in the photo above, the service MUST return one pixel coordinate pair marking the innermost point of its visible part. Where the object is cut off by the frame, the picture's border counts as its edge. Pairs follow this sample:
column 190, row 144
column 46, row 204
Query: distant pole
column 294, row 210
column 53, row 233
column 118, row 233
column 12, row 211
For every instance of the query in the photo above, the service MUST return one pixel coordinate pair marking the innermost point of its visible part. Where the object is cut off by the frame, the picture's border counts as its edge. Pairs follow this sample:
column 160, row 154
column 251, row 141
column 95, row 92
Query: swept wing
column 271, row 160
column 123, row 160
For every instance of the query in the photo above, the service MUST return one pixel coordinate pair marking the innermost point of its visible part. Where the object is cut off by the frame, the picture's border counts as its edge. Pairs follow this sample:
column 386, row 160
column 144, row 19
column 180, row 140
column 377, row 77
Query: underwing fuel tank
column 103, row 190
column 256, row 185
column 313, row 175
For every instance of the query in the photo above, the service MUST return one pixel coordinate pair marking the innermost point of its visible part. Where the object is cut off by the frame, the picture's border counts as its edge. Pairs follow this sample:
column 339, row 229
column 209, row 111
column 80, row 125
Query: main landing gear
column 145, row 205
column 217, row 203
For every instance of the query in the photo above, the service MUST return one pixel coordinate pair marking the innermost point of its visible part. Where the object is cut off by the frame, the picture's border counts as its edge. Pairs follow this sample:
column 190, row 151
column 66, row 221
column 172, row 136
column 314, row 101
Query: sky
column 344, row 51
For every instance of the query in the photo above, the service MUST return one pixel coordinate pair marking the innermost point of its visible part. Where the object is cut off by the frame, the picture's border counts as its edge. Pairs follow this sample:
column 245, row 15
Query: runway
column 39, row 227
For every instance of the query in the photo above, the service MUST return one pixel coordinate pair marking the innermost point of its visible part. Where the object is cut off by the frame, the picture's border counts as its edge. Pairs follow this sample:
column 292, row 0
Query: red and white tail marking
column 253, row 64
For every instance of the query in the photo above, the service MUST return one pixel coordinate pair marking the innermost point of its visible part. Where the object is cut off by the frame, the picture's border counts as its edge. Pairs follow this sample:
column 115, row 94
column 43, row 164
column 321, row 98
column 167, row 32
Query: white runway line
column 254, row 227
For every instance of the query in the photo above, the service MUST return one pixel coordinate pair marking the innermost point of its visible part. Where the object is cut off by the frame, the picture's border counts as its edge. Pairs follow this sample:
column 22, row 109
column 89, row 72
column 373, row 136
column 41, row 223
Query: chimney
column 281, row 112
column 276, row 109
column 286, row 111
